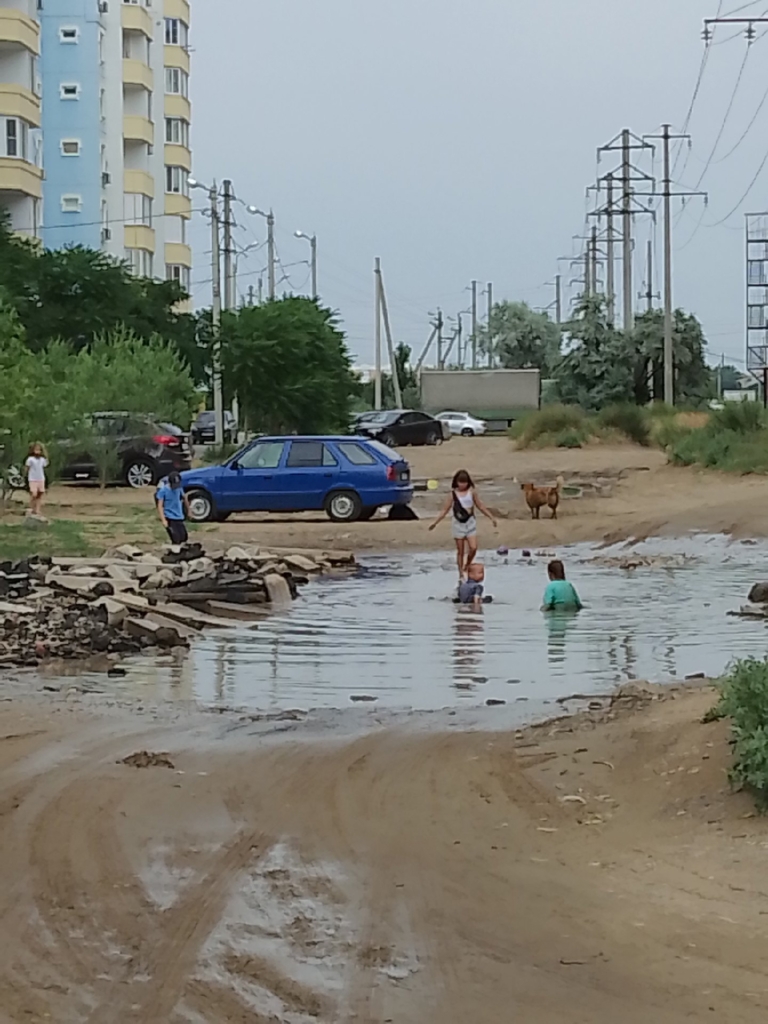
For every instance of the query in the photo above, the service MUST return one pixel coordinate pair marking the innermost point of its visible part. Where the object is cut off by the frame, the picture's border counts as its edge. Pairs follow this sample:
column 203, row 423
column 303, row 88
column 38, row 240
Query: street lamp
column 270, row 219
column 312, row 239
column 218, row 398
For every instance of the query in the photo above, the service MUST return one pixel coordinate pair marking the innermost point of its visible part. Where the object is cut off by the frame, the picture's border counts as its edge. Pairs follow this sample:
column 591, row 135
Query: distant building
column 21, row 176
column 116, row 124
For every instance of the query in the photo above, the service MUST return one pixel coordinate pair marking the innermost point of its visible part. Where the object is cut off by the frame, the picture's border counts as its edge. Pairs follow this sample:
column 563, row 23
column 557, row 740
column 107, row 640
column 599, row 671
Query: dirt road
column 640, row 496
column 578, row 874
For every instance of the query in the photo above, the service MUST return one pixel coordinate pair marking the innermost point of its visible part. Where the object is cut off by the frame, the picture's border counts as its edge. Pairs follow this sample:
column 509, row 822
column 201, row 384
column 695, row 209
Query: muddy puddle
column 391, row 633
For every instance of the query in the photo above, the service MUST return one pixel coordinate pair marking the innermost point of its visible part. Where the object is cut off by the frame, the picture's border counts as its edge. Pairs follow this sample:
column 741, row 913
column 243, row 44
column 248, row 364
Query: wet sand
column 591, row 870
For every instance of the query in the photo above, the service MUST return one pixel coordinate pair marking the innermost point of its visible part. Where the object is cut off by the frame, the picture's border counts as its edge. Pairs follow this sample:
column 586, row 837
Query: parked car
column 404, row 426
column 464, row 424
column 347, row 477
column 204, row 428
column 141, row 449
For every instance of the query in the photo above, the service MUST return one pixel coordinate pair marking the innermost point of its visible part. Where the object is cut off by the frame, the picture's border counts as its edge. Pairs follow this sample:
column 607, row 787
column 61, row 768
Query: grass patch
column 734, row 439
column 632, row 421
column 544, row 426
column 744, row 700
column 568, row 426
column 60, row 537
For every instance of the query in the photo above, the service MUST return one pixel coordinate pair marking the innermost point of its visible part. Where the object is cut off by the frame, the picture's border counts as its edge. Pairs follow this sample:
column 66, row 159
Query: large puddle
column 390, row 632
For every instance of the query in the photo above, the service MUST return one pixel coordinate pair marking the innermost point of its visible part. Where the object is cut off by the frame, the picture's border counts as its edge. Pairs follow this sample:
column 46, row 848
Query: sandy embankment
column 574, row 873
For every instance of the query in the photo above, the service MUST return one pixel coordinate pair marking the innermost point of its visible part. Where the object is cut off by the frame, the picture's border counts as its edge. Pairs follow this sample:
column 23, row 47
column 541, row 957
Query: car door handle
column 328, row 475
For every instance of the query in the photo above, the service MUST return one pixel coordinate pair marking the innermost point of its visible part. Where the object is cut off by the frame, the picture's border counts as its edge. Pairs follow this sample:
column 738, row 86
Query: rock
column 363, row 698
column 278, row 589
column 492, row 702
column 160, row 580
column 155, row 633
column 113, row 612
column 759, row 593
column 117, row 572
column 144, row 759
column 205, row 566
column 85, row 570
column 134, row 602
column 116, row 672
column 128, row 551
column 301, row 562
column 9, row 608
column 237, row 554
column 185, row 633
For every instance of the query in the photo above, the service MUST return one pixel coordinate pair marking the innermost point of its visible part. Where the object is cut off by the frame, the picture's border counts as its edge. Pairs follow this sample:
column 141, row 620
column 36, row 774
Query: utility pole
column 425, row 350
column 390, row 344
column 558, row 299
column 649, row 293
column 625, row 143
column 271, row 253
column 460, row 337
column 377, row 337
column 474, row 325
column 611, row 268
column 229, row 263
column 218, row 399
column 490, row 322
column 667, row 194
column 440, row 322
column 250, row 295
column 593, row 259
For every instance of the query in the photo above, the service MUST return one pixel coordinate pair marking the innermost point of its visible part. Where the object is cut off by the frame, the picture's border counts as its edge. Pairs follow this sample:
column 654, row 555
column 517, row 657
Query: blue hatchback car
column 347, row 477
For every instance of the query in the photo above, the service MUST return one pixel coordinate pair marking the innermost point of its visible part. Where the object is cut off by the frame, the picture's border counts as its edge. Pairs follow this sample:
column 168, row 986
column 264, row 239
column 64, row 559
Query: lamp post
column 270, row 219
column 218, row 398
column 312, row 239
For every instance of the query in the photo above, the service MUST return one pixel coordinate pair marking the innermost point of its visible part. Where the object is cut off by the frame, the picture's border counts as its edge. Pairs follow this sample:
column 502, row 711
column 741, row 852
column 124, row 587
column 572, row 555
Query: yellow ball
column 432, row 485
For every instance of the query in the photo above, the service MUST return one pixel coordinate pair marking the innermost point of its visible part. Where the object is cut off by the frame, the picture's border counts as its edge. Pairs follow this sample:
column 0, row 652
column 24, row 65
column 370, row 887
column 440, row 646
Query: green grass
column 60, row 537
column 568, row 426
column 744, row 700
column 734, row 439
column 631, row 420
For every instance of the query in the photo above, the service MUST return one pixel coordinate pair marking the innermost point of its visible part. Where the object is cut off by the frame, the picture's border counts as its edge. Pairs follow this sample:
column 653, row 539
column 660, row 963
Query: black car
column 204, row 428
column 138, row 450
column 395, row 427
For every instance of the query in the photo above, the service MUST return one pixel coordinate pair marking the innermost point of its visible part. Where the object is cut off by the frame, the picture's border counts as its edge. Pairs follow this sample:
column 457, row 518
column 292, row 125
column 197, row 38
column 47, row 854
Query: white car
column 464, row 424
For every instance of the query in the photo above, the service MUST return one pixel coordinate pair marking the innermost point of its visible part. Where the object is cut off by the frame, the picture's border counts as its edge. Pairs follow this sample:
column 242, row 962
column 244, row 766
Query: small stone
column 493, row 702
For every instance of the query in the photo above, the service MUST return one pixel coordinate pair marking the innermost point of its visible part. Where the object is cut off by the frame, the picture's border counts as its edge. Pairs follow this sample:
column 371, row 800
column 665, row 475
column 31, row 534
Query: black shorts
column 177, row 531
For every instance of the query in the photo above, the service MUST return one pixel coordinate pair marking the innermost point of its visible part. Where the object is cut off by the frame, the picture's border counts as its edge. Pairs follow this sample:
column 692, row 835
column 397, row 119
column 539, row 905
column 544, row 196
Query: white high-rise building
column 116, row 124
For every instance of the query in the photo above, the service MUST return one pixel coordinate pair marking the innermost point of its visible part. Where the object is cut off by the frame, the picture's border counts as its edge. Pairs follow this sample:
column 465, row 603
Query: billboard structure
column 757, row 295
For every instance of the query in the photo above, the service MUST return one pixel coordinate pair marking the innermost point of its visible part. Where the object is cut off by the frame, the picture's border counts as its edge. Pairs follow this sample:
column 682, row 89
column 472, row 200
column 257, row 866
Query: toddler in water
column 471, row 590
column 560, row 594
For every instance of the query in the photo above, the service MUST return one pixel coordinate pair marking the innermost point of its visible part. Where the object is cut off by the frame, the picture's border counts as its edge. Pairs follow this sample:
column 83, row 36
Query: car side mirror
column 234, row 465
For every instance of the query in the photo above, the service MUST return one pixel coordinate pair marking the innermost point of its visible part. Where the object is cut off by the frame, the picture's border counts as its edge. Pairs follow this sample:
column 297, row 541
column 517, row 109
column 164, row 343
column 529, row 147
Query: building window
column 11, row 137
column 70, row 147
column 69, row 91
column 138, row 209
column 177, row 131
column 69, row 34
column 178, row 273
column 177, row 180
column 71, row 203
column 139, row 261
column 176, row 32
column 176, row 82
column 14, row 140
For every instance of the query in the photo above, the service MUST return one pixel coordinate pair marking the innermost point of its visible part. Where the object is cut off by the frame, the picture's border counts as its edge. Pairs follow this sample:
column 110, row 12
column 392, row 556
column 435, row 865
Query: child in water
column 560, row 594
column 471, row 590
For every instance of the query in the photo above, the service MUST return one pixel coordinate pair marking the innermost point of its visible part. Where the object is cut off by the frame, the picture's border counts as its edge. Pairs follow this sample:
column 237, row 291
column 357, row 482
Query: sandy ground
column 642, row 496
column 407, row 869
column 585, row 872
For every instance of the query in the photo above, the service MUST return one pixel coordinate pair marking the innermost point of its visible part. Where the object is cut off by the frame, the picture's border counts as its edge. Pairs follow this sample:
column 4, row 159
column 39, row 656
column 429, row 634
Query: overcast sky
column 455, row 139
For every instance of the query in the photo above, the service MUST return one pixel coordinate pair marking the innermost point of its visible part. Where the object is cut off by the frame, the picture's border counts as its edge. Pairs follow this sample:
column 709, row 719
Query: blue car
column 347, row 477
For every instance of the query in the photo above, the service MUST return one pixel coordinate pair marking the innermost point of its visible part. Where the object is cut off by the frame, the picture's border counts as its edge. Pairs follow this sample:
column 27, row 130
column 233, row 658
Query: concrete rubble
column 128, row 600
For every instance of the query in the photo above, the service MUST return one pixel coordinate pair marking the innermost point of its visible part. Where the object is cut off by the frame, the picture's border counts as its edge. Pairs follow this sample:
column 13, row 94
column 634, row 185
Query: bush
column 630, row 420
column 570, row 438
column 552, row 419
column 741, row 450
column 744, row 699
column 740, row 417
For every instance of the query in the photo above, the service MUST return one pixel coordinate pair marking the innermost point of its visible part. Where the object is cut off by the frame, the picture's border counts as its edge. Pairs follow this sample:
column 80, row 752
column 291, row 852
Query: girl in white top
column 462, row 501
column 35, row 466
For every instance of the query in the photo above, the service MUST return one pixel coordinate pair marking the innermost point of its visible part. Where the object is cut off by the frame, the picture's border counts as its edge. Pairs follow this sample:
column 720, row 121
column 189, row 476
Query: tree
column 694, row 380
column 600, row 368
column 288, row 364
column 75, row 294
column 729, row 377
column 409, row 383
column 521, row 338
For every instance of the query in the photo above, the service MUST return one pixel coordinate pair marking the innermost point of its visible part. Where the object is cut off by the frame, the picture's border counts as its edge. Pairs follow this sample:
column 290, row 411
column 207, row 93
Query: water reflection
column 468, row 646
column 558, row 623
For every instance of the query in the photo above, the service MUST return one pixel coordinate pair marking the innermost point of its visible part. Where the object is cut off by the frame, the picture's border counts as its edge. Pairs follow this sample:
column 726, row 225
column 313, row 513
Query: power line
column 747, row 130
column 751, row 185
column 725, row 118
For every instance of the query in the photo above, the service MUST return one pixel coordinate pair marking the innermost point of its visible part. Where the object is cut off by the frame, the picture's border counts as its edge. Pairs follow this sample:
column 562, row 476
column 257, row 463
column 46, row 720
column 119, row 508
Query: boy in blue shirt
column 560, row 594
column 172, row 504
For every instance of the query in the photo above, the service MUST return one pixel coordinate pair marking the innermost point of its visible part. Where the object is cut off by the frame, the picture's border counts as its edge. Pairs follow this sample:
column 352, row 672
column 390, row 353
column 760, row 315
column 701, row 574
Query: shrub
column 570, row 438
column 744, row 699
column 741, row 417
column 552, row 419
column 630, row 420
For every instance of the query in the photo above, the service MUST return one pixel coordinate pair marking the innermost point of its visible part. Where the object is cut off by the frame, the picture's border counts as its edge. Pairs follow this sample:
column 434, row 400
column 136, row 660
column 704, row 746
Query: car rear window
column 382, row 449
column 356, row 454
column 309, row 454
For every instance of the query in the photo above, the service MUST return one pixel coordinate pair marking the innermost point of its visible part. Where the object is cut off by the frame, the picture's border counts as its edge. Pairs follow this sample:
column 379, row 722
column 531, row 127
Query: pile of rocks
column 130, row 600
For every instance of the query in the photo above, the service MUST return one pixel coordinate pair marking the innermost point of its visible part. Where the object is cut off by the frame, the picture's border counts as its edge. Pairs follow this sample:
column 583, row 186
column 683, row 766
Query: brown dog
column 538, row 497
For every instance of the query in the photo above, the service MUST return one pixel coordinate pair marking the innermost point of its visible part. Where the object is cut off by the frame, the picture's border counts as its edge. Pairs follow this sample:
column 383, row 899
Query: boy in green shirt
column 560, row 594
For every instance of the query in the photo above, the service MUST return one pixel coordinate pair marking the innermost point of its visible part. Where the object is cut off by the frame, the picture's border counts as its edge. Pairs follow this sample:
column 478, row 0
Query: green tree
column 599, row 369
column 694, row 380
column 288, row 364
column 521, row 338
column 409, row 383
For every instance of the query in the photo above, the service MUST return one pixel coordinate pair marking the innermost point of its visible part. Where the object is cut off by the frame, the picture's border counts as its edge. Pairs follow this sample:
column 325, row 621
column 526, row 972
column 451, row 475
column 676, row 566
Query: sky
column 455, row 140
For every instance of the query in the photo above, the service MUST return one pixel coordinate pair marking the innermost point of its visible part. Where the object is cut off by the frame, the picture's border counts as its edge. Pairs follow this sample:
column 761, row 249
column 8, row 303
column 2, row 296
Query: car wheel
column 467, row 432
column 222, row 517
column 140, row 473
column 388, row 440
column 368, row 513
column 343, row 507
column 434, row 438
column 201, row 507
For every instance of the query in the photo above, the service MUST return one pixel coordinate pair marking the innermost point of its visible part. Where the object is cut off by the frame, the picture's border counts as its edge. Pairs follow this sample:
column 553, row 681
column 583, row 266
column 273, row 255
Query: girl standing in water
column 462, row 502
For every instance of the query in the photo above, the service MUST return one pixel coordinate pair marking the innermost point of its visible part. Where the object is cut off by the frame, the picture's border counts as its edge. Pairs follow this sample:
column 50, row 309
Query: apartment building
column 21, row 184
column 116, row 122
